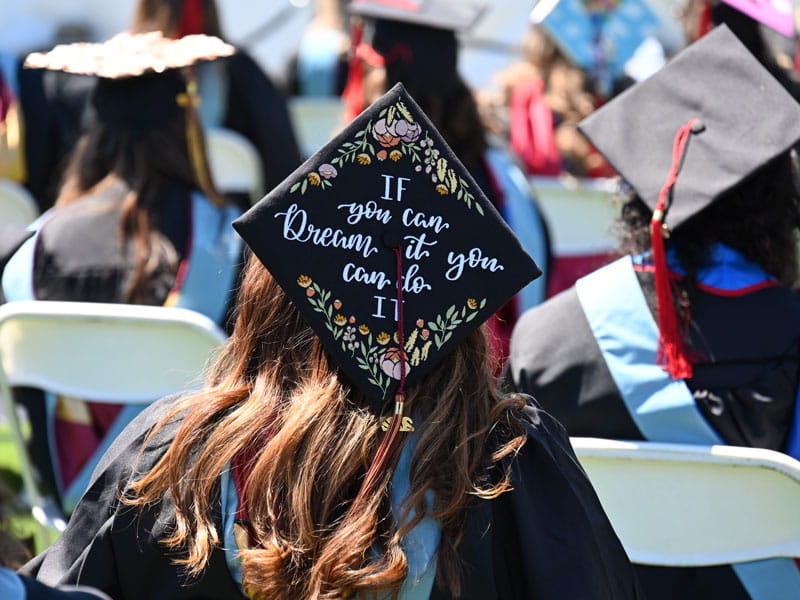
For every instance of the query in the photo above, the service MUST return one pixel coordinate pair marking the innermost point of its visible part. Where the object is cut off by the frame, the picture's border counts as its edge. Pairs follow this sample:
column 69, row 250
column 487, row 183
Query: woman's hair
column 144, row 162
column 275, row 396
column 165, row 16
column 760, row 218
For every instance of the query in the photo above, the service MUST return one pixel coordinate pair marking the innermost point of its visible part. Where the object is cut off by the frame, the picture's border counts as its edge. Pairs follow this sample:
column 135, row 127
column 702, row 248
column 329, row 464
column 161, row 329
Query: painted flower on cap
column 412, row 134
column 392, row 363
column 313, row 178
column 363, row 329
column 385, row 133
column 383, row 338
column 304, row 281
column 363, row 159
column 395, row 155
column 328, row 171
column 340, row 320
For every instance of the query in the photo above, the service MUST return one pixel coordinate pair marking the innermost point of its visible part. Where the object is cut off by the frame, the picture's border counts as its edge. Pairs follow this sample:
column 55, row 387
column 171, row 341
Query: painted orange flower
column 395, row 155
column 472, row 303
column 420, row 323
column 442, row 189
column 337, row 304
column 363, row 329
column 340, row 320
column 363, row 159
column 310, row 292
column 313, row 178
column 381, row 155
column 383, row 338
column 304, row 281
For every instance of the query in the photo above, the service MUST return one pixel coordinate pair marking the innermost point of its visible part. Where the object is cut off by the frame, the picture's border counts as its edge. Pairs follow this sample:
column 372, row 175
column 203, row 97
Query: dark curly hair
column 760, row 218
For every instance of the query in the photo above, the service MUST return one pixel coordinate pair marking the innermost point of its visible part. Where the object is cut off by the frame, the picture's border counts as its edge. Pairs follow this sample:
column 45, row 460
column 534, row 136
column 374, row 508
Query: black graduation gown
column 548, row 539
column 747, row 394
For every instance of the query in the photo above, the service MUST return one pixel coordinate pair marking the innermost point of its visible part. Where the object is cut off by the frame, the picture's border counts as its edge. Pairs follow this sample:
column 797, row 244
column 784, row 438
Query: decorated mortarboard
column 139, row 79
column 682, row 138
column 387, row 196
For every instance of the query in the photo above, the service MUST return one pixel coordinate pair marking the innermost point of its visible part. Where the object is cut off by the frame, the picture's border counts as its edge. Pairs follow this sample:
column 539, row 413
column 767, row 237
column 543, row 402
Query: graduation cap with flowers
column 389, row 249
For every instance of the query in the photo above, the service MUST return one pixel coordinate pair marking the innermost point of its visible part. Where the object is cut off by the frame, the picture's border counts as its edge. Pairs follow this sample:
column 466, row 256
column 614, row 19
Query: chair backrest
column 125, row 354
column 688, row 505
column 315, row 119
column 104, row 352
column 17, row 205
column 234, row 163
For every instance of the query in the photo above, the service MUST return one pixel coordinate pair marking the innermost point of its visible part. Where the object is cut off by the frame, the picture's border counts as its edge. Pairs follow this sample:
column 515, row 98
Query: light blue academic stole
column 662, row 408
column 523, row 217
column 420, row 544
column 210, row 270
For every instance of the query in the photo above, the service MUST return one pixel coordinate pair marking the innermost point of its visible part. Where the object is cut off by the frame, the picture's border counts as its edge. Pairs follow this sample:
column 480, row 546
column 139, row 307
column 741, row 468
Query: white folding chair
column 17, row 205
column 686, row 505
column 114, row 353
column 234, row 163
column 561, row 198
column 315, row 119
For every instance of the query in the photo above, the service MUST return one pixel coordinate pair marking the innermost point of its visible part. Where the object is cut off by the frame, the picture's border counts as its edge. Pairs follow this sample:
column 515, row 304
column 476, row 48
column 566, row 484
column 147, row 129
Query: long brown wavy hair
column 276, row 395
column 144, row 162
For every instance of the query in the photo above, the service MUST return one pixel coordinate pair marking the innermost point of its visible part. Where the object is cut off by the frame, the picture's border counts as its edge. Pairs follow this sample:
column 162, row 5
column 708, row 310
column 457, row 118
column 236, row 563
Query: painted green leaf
column 405, row 112
column 293, row 189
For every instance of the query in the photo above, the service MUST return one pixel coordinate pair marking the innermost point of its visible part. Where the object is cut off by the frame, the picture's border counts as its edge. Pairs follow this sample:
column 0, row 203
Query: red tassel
column 380, row 463
column 672, row 353
column 353, row 94
column 192, row 19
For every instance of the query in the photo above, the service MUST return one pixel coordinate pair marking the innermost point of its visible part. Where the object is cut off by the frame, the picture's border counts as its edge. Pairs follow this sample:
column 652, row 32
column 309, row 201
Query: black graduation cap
column 695, row 129
column 387, row 192
column 139, row 84
column 745, row 119
column 416, row 39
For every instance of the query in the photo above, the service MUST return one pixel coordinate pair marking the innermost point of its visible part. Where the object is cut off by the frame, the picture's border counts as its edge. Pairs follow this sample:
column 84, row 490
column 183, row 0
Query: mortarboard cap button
column 698, row 127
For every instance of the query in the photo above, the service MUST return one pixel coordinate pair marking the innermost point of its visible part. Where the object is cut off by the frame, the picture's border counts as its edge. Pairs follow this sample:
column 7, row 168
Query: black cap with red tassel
column 738, row 118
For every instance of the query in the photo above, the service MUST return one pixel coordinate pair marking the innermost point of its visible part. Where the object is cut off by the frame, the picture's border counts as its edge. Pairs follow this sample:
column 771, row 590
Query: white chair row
column 686, row 505
column 114, row 353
